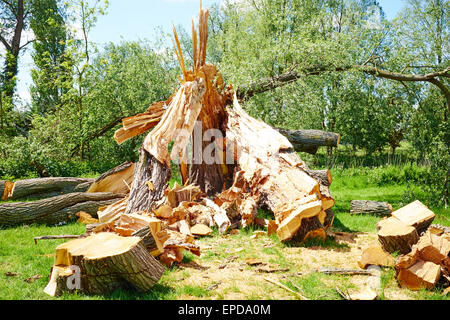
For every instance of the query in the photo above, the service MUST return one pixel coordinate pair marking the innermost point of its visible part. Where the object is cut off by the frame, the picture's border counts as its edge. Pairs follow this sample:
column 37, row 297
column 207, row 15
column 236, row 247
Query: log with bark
column 376, row 208
column 102, row 263
column 309, row 141
column 45, row 187
column 54, row 210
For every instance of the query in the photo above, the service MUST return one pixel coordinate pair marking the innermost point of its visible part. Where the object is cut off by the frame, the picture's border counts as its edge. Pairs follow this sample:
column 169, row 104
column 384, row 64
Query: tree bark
column 370, row 207
column 47, row 187
column 310, row 140
column 149, row 182
column 54, row 210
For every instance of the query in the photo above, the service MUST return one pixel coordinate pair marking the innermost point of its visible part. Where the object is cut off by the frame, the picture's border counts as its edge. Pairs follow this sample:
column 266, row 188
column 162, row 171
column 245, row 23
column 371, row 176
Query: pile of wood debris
column 254, row 166
column 423, row 249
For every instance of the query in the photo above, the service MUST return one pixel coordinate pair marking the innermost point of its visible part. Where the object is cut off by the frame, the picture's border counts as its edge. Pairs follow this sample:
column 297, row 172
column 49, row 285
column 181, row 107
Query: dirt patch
column 223, row 269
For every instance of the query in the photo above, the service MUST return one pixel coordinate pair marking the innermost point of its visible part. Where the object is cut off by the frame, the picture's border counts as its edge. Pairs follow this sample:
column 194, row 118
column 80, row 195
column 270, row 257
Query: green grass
column 19, row 254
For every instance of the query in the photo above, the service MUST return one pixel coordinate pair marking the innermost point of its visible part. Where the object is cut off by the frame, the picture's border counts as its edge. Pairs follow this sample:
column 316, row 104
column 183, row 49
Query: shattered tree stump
column 102, row 263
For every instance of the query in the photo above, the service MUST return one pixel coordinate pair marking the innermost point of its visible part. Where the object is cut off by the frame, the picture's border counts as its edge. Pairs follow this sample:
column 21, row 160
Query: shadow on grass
column 319, row 244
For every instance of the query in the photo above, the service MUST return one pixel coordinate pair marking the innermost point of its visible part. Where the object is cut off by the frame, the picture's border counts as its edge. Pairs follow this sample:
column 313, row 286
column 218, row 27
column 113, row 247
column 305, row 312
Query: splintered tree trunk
column 278, row 176
column 56, row 209
column 149, row 182
column 102, row 263
column 310, row 140
column 370, row 207
column 117, row 180
column 46, row 187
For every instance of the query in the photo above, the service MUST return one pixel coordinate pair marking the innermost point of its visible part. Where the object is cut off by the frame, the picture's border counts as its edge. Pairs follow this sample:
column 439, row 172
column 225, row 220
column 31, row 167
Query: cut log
column 415, row 214
column 149, row 182
column 433, row 248
column 376, row 208
column 394, row 235
column 201, row 230
column 54, row 210
column 116, row 180
column 375, row 255
column 422, row 274
column 310, row 140
column 102, row 263
column 46, row 187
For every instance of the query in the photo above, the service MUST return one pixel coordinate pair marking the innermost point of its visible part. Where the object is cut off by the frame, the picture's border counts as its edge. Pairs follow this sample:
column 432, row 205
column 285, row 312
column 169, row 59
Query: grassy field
column 221, row 271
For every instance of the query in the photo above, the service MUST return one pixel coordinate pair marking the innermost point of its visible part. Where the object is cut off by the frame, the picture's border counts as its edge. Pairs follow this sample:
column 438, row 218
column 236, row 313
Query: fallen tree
column 264, row 171
column 43, row 187
column 54, row 210
column 310, row 140
column 377, row 208
column 230, row 163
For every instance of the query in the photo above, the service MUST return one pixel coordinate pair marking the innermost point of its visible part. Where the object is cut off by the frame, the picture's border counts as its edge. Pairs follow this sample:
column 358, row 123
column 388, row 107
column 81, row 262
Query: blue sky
column 138, row 19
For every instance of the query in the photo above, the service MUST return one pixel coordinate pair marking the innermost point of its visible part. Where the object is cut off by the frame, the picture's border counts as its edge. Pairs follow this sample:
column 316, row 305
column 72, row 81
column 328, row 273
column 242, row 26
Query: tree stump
column 102, row 263
column 394, row 235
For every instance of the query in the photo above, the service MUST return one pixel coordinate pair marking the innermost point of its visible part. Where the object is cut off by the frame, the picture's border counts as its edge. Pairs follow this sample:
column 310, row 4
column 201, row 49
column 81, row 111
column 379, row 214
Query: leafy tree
column 53, row 68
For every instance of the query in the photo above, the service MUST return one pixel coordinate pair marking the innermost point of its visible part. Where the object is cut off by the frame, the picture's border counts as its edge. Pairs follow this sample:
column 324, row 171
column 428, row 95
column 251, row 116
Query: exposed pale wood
column 113, row 211
column 201, row 230
column 394, row 235
column 433, row 248
column 106, row 262
column 116, row 180
column 375, row 255
column 56, row 209
column 422, row 274
column 6, row 188
column 177, row 123
column 415, row 214
column 272, row 171
column 376, row 208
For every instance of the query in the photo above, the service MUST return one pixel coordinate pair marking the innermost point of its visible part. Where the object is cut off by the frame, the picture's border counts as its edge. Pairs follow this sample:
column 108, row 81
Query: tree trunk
column 149, row 182
column 102, row 263
column 54, row 210
column 277, row 175
column 47, row 187
column 370, row 207
column 310, row 140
